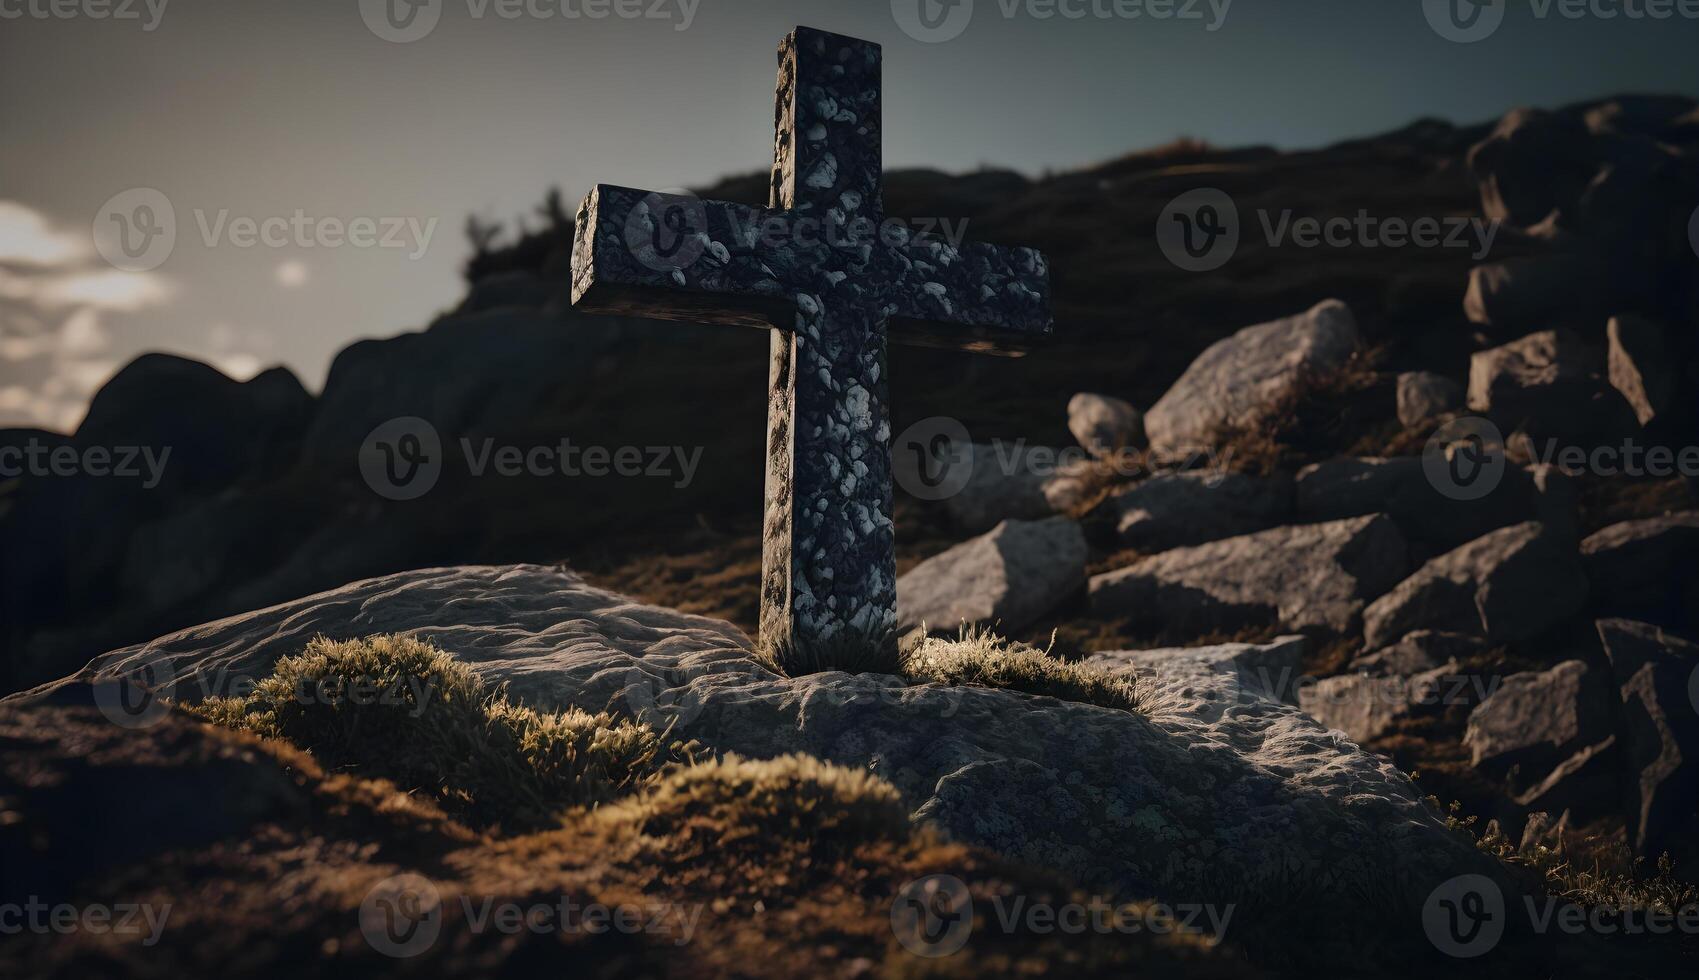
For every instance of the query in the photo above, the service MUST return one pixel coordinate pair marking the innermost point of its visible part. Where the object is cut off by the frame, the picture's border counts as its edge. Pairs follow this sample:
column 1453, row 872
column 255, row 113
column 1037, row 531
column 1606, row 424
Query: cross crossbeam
column 834, row 281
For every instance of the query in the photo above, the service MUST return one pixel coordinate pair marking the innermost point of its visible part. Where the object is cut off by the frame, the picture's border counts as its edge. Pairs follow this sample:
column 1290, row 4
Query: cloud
column 26, row 239
column 107, row 289
column 55, row 349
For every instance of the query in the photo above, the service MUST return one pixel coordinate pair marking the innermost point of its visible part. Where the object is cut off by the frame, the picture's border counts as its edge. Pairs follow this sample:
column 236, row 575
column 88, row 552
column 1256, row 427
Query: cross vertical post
column 831, row 278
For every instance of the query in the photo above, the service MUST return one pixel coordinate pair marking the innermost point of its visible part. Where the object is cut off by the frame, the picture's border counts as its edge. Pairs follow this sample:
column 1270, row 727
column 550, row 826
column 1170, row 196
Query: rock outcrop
column 1218, row 792
column 1314, row 576
column 1657, row 676
column 1007, row 578
column 1537, row 718
column 1235, row 380
column 1171, row 510
column 1505, row 586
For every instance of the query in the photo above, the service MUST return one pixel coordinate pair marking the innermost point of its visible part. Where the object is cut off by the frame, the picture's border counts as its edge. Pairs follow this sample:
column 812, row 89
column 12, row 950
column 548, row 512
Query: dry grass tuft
column 981, row 658
column 398, row 708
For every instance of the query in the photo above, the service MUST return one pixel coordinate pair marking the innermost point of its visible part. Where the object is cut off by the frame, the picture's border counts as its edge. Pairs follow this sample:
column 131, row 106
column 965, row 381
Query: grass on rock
column 980, row 658
column 397, row 707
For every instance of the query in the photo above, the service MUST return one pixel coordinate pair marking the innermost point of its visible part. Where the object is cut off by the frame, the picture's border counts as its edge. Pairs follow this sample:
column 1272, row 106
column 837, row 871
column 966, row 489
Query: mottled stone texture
column 821, row 267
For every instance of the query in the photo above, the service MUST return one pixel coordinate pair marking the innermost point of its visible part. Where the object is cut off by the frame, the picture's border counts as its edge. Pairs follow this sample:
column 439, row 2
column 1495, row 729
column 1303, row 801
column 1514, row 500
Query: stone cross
column 822, row 268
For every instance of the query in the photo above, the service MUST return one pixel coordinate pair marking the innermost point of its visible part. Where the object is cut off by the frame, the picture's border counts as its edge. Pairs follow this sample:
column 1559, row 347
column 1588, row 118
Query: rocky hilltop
column 1340, row 511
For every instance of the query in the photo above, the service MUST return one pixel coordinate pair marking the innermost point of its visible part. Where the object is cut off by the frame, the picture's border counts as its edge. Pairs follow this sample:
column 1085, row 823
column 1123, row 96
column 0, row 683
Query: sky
column 315, row 160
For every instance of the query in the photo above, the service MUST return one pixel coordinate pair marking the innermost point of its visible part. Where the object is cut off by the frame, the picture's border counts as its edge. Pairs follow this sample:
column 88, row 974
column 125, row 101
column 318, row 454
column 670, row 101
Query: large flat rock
column 1219, row 791
column 1310, row 576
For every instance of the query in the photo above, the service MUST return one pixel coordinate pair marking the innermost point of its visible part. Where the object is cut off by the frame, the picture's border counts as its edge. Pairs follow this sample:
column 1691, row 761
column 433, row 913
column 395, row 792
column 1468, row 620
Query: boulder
column 1645, row 568
column 1216, row 791
column 1366, row 707
column 1424, row 396
column 1642, row 366
column 1533, row 163
column 1586, row 786
column 1550, row 385
column 1537, row 718
column 1315, row 576
column 1104, row 425
column 1275, row 668
column 1013, row 481
column 1418, row 652
column 1008, row 578
column 1194, row 506
column 1657, row 678
column 1532, row 290
column 1237, row 379
column 1505, row 586
column 1431, row 519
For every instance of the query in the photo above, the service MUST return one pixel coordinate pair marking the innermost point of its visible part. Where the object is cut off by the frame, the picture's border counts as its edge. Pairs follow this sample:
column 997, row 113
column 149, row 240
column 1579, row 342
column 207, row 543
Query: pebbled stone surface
column 1218, row 791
